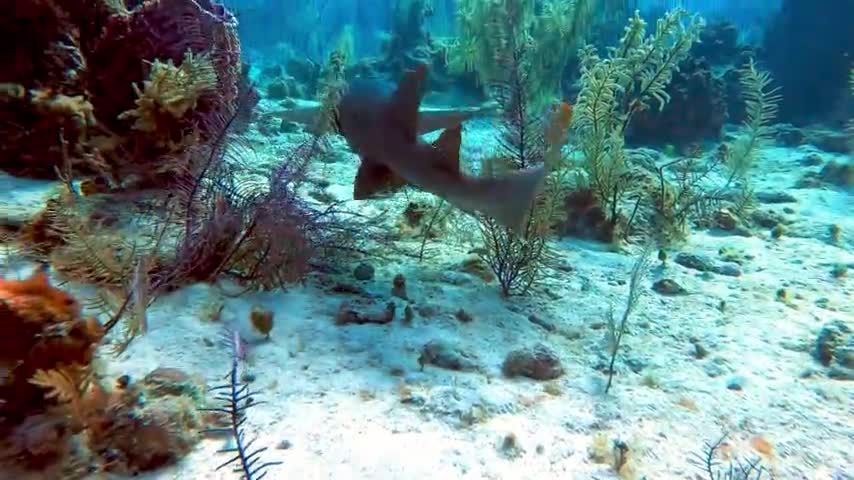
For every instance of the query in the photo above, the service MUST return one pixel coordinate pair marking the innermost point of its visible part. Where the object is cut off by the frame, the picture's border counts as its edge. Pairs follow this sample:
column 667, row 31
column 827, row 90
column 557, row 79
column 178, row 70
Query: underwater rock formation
column 719, row 44
column 811, row 68
column 116, row 91
column 697, row 110
column 705, row 93
column 407, row 45
column 410, row 44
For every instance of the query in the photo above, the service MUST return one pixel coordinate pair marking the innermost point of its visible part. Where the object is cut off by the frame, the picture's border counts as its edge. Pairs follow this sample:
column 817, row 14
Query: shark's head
column 359, row 116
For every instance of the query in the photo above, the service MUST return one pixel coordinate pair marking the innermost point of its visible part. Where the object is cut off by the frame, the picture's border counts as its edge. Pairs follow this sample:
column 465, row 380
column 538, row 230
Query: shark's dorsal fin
column 403, row 107
column 448, row 145
column 373, row 178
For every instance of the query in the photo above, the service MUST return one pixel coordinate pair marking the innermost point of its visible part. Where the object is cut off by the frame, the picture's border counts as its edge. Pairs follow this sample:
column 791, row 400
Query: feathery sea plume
column 236, row 399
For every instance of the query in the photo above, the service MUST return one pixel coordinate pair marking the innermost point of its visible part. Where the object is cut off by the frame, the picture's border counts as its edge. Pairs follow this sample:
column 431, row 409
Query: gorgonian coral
column 633, row 76
column 171, row 91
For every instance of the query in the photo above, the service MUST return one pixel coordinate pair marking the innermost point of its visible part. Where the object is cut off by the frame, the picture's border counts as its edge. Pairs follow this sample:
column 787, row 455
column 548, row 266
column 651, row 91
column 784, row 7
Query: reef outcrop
column 121, row 92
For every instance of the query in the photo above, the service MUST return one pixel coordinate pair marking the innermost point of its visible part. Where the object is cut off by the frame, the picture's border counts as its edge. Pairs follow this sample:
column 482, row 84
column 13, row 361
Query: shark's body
column 430, row 119
column 382, row 127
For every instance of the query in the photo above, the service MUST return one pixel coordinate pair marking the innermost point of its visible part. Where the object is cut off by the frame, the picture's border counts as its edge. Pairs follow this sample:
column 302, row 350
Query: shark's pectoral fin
column 448, row 145
column 374, row 179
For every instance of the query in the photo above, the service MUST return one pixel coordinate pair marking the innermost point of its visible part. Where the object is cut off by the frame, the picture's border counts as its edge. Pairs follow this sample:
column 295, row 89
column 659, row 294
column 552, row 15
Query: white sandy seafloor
column 351, row 402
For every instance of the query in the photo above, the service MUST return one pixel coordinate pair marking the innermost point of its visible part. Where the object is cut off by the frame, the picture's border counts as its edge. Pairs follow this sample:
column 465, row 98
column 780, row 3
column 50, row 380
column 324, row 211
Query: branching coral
column 331, row 89
column 517, row 258
column 236, row 399
column 762, row 105
column 618, row 329
column 694, row 194
column 711, row 467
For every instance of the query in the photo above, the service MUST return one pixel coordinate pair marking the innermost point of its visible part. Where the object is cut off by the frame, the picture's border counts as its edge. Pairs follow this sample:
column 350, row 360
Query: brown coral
column 51, row 403
column 128, row 429
column 40, row 329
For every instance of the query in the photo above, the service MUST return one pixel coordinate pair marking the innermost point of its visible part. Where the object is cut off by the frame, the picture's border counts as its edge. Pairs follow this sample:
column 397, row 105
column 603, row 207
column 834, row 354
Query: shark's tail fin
column 508, row 199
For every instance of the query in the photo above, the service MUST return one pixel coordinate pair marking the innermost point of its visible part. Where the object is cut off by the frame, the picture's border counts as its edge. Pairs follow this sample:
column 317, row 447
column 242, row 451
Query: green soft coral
column 761, row 104
column 550, row 31
column 630, row 77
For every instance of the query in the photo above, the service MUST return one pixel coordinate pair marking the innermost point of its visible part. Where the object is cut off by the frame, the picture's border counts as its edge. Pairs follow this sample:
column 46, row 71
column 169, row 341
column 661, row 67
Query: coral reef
column 696, row 112
column 41, row 330
column 115, row 91
column 407, row 44
column 691, row 194
column 211, row 223
column 704, row 94
column 614, row 90
column 55, row 416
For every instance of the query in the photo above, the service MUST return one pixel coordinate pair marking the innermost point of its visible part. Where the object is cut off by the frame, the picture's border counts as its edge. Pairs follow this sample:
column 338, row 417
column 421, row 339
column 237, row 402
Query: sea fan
column 713, row 469
column 521, row 131
column 237, row 398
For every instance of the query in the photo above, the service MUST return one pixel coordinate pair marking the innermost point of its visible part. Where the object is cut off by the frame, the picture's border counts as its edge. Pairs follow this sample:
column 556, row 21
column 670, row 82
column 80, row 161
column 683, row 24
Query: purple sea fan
column 281, row 237
column 325, row 228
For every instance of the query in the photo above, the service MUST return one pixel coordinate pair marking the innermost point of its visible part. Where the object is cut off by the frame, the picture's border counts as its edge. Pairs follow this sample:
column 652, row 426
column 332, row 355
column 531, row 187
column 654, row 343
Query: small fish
column 384, row 131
